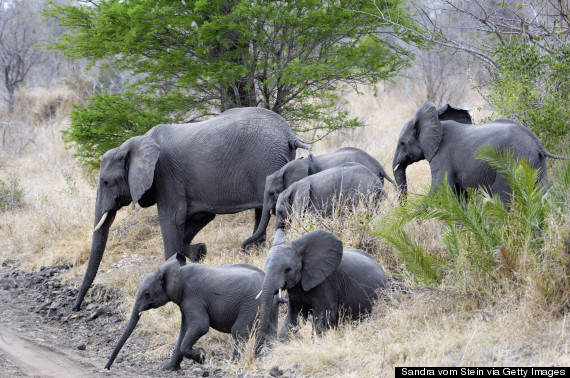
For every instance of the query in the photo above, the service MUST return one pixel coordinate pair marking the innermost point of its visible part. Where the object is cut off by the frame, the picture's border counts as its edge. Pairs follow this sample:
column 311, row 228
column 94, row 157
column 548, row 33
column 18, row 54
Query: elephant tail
column 546, row 153
column 296, row 143
column 383, row 175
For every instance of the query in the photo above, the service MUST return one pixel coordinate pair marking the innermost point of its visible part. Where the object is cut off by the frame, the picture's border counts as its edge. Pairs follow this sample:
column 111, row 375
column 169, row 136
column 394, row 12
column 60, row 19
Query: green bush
column 533, row 86
column 491, row 247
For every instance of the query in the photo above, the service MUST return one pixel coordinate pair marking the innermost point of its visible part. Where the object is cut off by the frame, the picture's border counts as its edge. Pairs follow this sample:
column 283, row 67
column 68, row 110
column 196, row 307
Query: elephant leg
column 172, row 220
column 291, row 322
column 324, row 318
column 240, row 333
column 502, row 188
column 195, row 328
column 176, row 358
column 194, row 223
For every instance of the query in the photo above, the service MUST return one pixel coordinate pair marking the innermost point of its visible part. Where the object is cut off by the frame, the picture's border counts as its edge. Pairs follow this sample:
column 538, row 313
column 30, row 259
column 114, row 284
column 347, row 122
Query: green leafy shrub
column 489, row 246
column 533, row 86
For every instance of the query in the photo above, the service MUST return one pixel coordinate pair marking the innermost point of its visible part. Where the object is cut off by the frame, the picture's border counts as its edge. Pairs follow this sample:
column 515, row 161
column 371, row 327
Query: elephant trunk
column 126, row 334
column 267, row 296
column 399, row 165
column 97, row 248
column 401, row 181
column 261, row 229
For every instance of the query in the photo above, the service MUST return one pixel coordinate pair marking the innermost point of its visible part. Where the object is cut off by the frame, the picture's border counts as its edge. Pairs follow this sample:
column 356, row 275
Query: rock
column 101, row 311
column 275, row 371
column 81, row 346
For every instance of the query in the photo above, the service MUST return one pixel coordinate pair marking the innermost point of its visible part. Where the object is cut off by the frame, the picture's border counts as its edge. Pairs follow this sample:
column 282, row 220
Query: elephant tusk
column 280, row 295
column 259, row 295
column 396, row 167
column 101, row 221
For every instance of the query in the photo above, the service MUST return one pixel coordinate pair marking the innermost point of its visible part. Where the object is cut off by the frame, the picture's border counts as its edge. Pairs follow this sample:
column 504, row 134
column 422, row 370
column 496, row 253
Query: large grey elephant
column 450, row 144
column 191, row 172
column 321, row 279
column 300, row 168
column 219, row 296
column 348, row 183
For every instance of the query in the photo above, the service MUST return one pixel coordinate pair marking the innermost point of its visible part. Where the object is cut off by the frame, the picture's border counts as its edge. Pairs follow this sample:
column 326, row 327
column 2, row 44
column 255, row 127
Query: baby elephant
column 219, row 296
column 321, row 278
column 300, row 168
column 347, row 182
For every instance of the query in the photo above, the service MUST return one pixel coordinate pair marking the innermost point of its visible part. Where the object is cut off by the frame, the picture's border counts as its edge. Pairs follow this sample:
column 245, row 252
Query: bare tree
column 477, row 26
column 19, row 53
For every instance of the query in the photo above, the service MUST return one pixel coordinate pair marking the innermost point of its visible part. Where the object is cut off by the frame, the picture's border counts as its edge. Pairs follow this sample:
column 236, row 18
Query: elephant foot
column 171, row 366
column 196, row 252
column 198, row 355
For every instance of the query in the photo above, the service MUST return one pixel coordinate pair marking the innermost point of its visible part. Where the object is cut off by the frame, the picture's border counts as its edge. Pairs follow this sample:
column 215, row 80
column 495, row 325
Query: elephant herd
column 244, row 159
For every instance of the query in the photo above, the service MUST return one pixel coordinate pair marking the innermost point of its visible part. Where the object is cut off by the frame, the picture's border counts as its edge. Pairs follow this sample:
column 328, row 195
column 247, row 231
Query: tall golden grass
column 416, row 327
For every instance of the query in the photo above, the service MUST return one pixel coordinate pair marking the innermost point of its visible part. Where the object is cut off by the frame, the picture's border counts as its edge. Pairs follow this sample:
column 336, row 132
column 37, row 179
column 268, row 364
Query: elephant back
column 363, row 279
column 224, row 161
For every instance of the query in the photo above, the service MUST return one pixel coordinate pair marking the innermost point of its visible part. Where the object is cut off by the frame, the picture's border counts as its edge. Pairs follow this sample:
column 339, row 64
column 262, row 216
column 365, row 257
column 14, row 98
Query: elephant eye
column 287, row 270
column 105, row 182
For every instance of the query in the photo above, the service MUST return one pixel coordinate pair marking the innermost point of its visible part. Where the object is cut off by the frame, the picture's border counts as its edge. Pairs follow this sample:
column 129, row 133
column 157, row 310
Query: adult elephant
column 191, row 172
column 298, row 169
column 322, row 279
column 450, row 144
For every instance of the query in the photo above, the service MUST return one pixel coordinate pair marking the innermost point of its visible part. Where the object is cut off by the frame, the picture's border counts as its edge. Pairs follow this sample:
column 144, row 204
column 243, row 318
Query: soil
column 41, row 336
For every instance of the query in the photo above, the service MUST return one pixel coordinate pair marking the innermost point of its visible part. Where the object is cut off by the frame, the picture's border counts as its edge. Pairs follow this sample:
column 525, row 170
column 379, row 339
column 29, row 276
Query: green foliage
column 11, row 194
column 534, row 86
column 110, row 119
column 488, row 242
column 291, row 57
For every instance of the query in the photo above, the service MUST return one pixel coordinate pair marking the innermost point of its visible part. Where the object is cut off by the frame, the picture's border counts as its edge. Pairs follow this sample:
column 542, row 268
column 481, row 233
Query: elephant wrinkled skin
column 449, row 142
column 321, row 279
column 219, row 296
column 191, row 172
column 348, row 183
column 300, row 168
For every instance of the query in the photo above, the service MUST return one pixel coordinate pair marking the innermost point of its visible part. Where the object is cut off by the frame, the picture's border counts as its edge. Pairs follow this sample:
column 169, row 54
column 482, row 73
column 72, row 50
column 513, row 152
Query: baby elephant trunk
column 130, row 328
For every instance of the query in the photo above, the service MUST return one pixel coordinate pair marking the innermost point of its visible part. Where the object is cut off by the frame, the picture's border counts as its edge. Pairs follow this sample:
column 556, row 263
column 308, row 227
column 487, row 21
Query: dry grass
column 420, row 328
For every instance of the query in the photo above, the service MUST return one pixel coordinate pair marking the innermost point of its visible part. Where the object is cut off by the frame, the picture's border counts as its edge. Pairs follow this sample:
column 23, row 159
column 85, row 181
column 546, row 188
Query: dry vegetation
column 416, row 327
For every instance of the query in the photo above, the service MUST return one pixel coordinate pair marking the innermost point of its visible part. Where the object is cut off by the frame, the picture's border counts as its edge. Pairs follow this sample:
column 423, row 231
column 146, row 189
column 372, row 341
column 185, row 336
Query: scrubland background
column 415, row 327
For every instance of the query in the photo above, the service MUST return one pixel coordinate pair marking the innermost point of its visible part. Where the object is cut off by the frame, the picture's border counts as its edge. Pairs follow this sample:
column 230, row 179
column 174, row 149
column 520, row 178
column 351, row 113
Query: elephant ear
column 142, row 154
column 428, row 129
column 451, row 113
column 301, row 194
column 172, row 282
column 294, row 171
column 321, row 253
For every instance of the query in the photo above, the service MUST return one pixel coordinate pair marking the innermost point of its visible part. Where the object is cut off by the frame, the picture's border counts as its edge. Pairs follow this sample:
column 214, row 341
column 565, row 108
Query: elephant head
column 126, row 175
column 156, row 290
column 297, row 196
column 275, row 184
column 306, row 261
column 420, row 138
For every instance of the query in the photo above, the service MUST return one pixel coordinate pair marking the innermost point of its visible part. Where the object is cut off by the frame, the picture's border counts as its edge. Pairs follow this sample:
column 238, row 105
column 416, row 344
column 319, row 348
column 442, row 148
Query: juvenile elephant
column 450, row 147
column 347, row 182
column 300, row 168
column 219, row 296
column 321, row 279
column 191, row 172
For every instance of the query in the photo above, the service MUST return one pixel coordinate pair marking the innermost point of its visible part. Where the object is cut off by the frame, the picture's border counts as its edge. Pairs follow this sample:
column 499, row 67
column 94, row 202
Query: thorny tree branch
column 477, row 26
